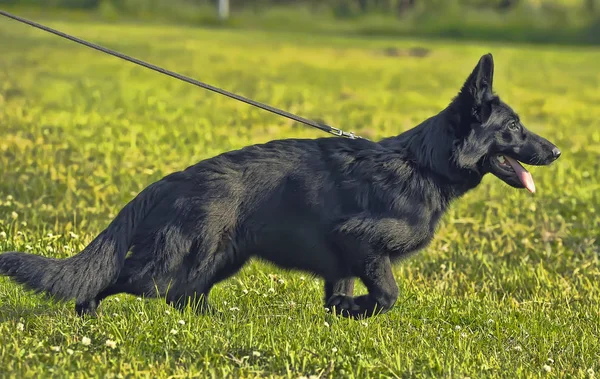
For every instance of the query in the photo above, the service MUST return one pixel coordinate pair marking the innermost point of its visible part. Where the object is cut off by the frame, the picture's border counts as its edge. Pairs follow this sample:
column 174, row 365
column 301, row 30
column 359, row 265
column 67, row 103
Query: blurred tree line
column 554, row 21
column 339, row 7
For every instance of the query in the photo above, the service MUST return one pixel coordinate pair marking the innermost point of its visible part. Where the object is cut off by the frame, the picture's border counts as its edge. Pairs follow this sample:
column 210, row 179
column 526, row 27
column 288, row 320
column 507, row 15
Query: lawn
column 510, row 286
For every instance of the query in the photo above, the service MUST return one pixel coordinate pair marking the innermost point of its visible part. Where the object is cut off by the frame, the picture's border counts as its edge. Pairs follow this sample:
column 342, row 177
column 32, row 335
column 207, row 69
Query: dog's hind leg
column 138, row 277
column 144, row 286
column 196, row 299
column 90, row 307
column 208, row 272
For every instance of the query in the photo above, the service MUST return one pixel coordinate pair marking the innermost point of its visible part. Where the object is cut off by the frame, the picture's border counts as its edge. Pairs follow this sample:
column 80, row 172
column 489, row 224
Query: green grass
column 510, row 284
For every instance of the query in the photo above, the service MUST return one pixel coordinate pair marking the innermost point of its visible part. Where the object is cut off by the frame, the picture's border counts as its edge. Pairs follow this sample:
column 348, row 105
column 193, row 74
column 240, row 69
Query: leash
column 321, row 126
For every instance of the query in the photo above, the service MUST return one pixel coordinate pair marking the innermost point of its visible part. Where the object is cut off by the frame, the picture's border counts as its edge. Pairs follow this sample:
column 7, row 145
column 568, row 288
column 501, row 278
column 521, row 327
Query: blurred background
column 551, row 21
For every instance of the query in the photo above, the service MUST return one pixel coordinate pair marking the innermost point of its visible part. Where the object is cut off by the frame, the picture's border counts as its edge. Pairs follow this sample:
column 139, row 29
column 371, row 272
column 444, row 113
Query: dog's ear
column 485, row 76
column 478, row 86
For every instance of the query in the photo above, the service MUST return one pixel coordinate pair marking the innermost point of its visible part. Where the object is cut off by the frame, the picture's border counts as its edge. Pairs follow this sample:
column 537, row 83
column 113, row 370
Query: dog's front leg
column 339, row 296
column 383, row 291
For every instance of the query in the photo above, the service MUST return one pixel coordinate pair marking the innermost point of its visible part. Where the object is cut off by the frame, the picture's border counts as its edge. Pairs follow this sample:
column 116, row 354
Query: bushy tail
column 84, row 275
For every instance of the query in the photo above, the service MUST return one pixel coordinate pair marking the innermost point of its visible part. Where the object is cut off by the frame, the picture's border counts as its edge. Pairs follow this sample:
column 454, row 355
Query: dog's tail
column 84, row 275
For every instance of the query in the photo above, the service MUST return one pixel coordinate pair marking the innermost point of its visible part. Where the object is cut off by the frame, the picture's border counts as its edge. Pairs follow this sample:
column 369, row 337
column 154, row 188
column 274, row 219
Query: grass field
column 510, row 287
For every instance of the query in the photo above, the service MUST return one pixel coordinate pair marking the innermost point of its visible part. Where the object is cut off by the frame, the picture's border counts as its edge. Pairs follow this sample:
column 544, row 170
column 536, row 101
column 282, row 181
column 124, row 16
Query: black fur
column 338, row 208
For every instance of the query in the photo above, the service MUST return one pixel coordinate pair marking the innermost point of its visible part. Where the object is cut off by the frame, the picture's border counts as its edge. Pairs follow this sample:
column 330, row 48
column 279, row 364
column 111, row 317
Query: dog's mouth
column 510, row 170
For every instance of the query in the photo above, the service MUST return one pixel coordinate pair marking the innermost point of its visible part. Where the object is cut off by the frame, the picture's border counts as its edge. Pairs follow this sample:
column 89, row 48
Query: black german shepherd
column 338, row 208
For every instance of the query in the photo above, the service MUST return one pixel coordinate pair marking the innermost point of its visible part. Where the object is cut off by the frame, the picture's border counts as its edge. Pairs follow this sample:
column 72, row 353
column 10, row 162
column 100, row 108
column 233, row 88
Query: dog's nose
column 556, row 153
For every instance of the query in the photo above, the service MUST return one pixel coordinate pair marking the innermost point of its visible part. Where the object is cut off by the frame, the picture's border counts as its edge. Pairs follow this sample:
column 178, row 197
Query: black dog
column 338, row 208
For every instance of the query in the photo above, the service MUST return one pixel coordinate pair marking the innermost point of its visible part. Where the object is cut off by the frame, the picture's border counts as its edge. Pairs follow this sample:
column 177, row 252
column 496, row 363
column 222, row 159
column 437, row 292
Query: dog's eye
column 512, row 125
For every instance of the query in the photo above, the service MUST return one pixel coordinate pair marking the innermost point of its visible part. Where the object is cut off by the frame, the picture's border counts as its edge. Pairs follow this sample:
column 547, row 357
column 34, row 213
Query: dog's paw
column 366, row 307
column 342, row 304
column 87, row 309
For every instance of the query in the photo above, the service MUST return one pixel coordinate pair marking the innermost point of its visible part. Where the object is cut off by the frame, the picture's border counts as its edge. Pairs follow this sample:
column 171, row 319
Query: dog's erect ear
column 485, row 76
column 479, row 84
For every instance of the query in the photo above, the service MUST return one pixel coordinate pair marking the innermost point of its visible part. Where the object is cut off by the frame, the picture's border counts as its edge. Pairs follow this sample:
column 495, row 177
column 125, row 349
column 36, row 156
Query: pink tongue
column 524, row 175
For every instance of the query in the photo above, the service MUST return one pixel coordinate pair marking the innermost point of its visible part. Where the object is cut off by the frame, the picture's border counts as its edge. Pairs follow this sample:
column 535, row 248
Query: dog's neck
column 432, row 146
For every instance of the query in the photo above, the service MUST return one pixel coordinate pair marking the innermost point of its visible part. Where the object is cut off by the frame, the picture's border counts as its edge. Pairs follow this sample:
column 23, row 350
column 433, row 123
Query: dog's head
column 494, row 140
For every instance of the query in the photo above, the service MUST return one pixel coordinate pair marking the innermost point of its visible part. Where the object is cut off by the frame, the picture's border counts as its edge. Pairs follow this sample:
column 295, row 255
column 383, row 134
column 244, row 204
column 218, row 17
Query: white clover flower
column 55, row 348
column 518, row 348
column 173, row 331
column 245, row 291
column 110, row 343
column 20, row 327
column 302, row 278
column 14, row 215
column 281, row 281
column 3, row 234
column 457, row 327
column 70, row 352
column 334, row 350
column 85, row 341
column 547, row 368
column 181, row 322
column 271, row 289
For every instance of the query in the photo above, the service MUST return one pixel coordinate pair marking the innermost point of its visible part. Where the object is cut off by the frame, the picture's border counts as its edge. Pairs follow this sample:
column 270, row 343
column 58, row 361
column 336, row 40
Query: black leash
column 323, row 127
